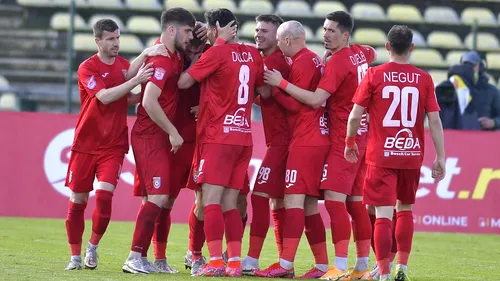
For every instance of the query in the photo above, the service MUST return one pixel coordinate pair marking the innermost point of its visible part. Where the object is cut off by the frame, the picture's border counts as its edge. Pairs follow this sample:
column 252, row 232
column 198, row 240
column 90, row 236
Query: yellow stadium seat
column 84, row 42
column 8, row 101
column 322, row 8
column 484, row 16
column 441, row 15
column 143, row 24
column 35, row 3
column 255, row 7
column 4, row 83
column 61, row 21
column 66, row 3
column 293, row 8
column 130, row 44
column 151, row 41
column 317, row 48
column 248, row 29
column 404, row 13
column 215, row 4
column 319, row 33
column 454, row 57
column 191, row 5
column 95, row 18
column 427, row 58
column 106, row 4
column 445, row 40
column 438, row 76
column 382, row 55
column 145, row 5
column 493, row 60
column 368, row 12
column 418, row 39
column 370, row 36
column 485, row 41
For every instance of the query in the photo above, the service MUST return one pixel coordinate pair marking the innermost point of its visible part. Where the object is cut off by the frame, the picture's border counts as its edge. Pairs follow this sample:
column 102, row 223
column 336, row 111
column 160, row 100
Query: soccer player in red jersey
column 308, row 149
column 270, row 183
column 342, row 180
column 154, row 138
column 229, row 75
column 398, row 96
column 101, row 140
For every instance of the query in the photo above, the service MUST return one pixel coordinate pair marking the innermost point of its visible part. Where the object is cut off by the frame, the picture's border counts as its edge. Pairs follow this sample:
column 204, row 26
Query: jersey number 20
column 243, row 89
column 401, row 96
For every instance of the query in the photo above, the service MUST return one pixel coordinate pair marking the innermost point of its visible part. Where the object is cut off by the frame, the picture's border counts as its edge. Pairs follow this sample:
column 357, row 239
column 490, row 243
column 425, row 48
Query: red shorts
column 194, row 171
column 271, row 176
column 359, row 181
column 383, row 186
column 340, row 175
column 224, row 165
column 304, row 168
column 182, row 165
column 84, row 168
column 246, row 186
column 153, row 160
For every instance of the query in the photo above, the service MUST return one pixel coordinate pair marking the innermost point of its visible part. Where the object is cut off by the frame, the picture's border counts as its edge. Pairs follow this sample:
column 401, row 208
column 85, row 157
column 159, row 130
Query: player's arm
column 134, row 98
column 354, row 120
column 436, row 128
column 185, row 81
column 372, row 53
column 199, row 69
column 156, row 50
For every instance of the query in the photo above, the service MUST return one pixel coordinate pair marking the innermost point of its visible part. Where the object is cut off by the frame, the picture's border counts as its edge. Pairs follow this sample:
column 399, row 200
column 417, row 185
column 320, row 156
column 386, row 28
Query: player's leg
column 160, row 238
column 233, row 230
column 194, row 258
column 242, row 205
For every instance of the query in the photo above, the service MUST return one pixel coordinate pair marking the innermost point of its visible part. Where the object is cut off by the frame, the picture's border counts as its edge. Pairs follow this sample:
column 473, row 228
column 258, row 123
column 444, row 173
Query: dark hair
column 196, row 42
column 177, row 16
column 104, row 25
column 343, row 19
column 223, row 16
column 270, row 18
column 400, row 38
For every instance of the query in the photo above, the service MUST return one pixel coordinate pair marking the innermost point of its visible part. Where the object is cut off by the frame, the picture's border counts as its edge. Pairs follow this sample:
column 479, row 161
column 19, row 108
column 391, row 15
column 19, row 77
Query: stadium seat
column 34, row 3
column 368, row 12
column 438, row 76
column 143, row 24
column 248, row 29
column 130, row 44
column 369, row 36
column 255, row 7
column 84, row 42
column 484, row 16
column 96, row 17
column 151, row 41
column 321, row 8
column 493, row 60
column 418, row 39
column 441, row 15
column 61, row 21
column 382, row 55
column 297, row 8
column 66, row 3
column 215, row 4
column 404, row 13
column 319, row 33
column 319, row 49
column 445, row 40
column 427, row 58
column 8, row 101
column 191, row 5
column 106, row 4
column 485, row 41
column 453, row 57
column 309, row 33
column 145, row 5
column 4, row 83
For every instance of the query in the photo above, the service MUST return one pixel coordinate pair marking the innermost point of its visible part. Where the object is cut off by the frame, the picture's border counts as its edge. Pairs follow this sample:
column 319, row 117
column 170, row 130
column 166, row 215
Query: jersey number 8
column 243, row 89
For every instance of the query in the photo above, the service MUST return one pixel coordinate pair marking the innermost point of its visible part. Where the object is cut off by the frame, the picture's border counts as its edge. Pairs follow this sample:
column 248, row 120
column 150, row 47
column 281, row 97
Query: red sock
column 144, row 227
column 196, row 234
column 404, row 235
column 372, row 220
column 292, row 231
column 75, row 225
column 361, row 226
column 259, row 225
column 340, row 226
column 383, row 243
column 316, row 236
column 144, row 252
column 279, row 223
column 214, row 230
column 160, row 236
column 244, row 223
column 101, row 215
column 394, row 249
column 233, row 229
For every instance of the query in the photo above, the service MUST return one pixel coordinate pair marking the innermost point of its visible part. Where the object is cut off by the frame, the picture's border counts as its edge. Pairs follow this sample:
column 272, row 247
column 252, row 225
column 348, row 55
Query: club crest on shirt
column 157, row 182
column 159, row 73
column 91, row 83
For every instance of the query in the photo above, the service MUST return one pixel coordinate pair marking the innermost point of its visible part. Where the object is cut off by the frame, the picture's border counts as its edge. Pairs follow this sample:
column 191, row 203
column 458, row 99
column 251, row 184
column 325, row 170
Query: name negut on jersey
column 242, row 57
column 401, row 77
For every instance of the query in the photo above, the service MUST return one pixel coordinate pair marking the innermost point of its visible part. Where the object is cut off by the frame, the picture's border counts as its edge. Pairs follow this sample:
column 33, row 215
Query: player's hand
column 176, row 141
column 351, row 154
column 144, row 73
column 487, row 123
column 272, row 77
column 194, row 110
column 438, row 170
column 157, row 50
column 227, row 32
column 326, row 56
column 201, row 33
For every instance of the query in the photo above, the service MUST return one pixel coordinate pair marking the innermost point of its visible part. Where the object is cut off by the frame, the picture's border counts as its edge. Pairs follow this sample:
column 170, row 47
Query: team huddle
column 335, row 128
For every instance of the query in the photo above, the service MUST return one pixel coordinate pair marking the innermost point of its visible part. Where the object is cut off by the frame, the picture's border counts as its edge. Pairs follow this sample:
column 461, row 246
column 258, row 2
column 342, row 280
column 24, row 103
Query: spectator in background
column 467, row 100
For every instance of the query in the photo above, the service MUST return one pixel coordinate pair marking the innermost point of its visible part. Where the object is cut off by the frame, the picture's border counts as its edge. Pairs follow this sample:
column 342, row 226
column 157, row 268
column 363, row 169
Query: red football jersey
column 167, row 71
column 184, row 120
column 309, row 126
column 397, row 97
column 343, row 73
column 228, row 75
column 101, row 127
column 274, row 117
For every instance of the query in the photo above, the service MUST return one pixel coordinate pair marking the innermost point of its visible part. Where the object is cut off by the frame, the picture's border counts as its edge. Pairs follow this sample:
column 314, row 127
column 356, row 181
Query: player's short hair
column 400, row 38
column 343, row 19
column 196, row 42
column 104, row 25
column 270, row 18
column 178, row 17
column 223, row 16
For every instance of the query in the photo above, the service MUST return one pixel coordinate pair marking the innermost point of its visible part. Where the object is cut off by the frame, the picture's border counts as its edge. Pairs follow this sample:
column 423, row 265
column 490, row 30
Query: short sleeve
column 162, row 70
column 334, row 75
column 206, row 65
column 369, row 52
column 431, row 104
column 89, row 77
column 363, row 95
column 302, row 75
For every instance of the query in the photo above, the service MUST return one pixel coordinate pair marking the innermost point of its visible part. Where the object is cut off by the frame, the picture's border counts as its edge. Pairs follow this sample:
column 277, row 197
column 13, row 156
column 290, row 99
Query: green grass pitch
column 36, row 249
